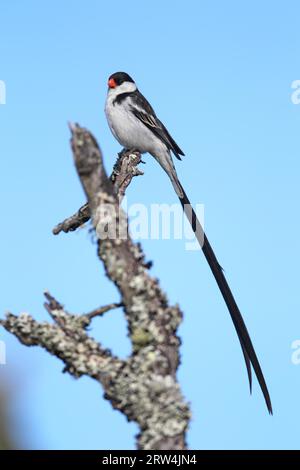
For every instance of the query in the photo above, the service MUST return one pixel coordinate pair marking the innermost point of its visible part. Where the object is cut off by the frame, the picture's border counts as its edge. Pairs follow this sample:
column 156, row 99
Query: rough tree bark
column 143, row 387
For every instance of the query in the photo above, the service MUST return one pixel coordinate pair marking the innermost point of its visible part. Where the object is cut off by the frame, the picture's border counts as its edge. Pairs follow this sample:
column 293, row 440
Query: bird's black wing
column 142, row 109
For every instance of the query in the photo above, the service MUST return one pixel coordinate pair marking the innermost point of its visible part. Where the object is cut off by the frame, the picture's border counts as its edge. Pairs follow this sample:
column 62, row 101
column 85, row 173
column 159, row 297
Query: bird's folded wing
column 157, row 127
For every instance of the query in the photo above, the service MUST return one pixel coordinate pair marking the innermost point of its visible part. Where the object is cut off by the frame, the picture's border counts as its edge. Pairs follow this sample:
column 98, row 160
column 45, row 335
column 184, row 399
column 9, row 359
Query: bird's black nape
column 121, row 77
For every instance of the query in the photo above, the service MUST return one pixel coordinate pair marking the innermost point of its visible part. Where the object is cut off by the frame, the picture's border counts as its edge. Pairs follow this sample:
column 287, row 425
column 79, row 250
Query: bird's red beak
column 112, row 83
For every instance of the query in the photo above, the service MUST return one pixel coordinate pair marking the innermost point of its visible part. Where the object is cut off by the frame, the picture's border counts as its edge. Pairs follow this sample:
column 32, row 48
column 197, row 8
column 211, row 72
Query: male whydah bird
column 135, row 125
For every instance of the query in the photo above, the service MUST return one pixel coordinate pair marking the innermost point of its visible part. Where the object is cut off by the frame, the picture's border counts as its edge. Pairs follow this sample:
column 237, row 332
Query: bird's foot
column 123, row 151
column 134, row 150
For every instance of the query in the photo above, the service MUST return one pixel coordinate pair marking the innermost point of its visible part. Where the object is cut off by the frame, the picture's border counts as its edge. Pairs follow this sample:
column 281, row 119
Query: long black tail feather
column 241, row 329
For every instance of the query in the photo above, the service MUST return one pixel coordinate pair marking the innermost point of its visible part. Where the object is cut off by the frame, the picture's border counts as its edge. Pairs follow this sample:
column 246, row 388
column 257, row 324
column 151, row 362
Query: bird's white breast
column 125, row 126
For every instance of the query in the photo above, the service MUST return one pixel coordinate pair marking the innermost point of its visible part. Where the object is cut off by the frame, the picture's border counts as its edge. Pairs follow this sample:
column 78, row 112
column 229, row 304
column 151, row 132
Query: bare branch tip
column 100, row 311
column 71, row 126
column 57, row 229
column 52, row 304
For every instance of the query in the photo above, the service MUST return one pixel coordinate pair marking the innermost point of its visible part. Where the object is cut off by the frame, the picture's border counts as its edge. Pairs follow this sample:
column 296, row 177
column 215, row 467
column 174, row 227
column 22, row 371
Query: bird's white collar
column 125, row 87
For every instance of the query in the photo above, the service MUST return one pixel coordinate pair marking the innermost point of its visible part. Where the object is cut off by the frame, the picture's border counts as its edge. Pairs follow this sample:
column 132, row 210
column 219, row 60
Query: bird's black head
column 116, row 79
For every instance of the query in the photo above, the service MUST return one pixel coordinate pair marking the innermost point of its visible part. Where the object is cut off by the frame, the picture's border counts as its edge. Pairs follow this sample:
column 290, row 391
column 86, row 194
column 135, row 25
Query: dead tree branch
column 124, row 170
column 143, row 387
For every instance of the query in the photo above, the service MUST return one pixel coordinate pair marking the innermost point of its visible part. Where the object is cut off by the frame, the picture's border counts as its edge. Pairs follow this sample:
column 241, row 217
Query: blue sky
column 219, row 75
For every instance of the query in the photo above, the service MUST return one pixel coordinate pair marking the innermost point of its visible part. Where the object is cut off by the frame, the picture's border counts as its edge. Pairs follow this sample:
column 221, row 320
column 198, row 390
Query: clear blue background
column 219, row 75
